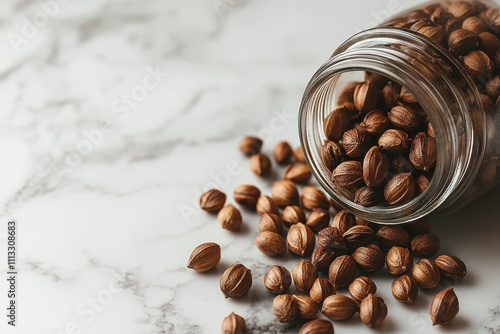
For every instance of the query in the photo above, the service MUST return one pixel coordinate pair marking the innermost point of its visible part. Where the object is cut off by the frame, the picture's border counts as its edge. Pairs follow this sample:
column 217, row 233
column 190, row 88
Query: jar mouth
column 370, row 51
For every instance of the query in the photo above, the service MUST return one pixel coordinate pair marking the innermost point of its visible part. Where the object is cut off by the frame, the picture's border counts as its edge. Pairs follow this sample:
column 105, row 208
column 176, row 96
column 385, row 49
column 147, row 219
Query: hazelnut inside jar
column 403, row 120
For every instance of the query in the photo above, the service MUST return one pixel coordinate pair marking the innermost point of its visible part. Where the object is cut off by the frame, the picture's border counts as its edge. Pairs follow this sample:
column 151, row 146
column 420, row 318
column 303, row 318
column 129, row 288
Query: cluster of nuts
column 380, row 147
column 470, row 31
column 333, row 249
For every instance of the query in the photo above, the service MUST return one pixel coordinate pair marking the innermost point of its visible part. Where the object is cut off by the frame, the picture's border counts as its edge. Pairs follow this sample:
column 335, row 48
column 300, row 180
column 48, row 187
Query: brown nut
column 462, row 41
column 277, row 280
column 405, row 289
column 336, row 123
column 423, row 152
column 317, row 326
column 399, row 189
column 339, row 307
column 404, row 117
column 391, row 93
column 389, row 236
column 313, row 198
column 444, row 307
column 342, row 271
column 478, row 64
column 425, row 244
column 356, row 142
column 285, row 308
column 321, row 289
column 266, row 204
column 307, row 307
column 368, row 196
column 293, row 214
column 375, row 122
column 236, row 281
column 372, row 311
column 250, row 145
column 451, row 267
column 322, row 257
column 204, row 257
column 246, row 195
column 270, row 222
column 393, row 141
column 285, row 193
column 348, row 174
column 426, row 273
column 330, row 237
column 318, row 219
column 234, row 324
column 213, row 200
column 298, row 173
column 399, row 260
column 361, row 288
column 343, row 220
column 332, row 154
column 369, row 258
column 304, row 275
column 366, row 96
column 260, row 164
column 282, row 152
column 230, row 218
column 375, row 167
column 270, row 243
column 357, row 236
column 422, row 183
column 300, row 240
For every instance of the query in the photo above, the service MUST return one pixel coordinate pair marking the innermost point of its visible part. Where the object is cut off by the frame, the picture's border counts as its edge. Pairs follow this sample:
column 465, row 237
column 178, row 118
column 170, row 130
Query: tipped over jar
column 403, row 120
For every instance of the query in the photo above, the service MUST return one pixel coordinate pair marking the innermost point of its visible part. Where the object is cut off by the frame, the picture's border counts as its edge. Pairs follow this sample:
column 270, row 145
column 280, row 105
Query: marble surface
column 116, row 115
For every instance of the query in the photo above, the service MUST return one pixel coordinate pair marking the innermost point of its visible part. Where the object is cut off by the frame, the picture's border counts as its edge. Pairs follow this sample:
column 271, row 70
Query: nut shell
column 444, row 307
column 321, row 289
column 405, row 289
column 230, row 218
column 399, row 260
column 234, row 324
column 304, row 275
column 361, row 288
column 425, row 244
column 317, row 326
column 285, row 193
column 372, row 311
column 285, row 308
column 308, row 309
column 339, row 307
column 342, row 271
column 426, row 273
column 301, row 240
column 271, row 243
column 213, row 200
column 451, row 267
column 204, row 257
column 236, row 281
column 277, row 280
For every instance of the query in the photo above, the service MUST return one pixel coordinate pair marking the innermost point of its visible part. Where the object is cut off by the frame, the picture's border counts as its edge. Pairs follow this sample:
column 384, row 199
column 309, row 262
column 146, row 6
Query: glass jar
column 461, row 102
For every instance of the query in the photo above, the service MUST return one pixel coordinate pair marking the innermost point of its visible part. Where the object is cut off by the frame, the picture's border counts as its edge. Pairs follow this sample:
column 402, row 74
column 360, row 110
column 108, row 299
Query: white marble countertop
column 116, row 114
